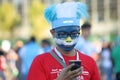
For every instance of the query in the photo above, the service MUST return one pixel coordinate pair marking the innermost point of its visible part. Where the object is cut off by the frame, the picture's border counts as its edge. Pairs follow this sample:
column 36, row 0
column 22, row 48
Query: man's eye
column 75, row 34
column 61, row 33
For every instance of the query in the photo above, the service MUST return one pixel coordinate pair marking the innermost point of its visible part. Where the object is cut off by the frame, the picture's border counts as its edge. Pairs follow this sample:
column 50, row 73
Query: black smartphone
column 77, row 64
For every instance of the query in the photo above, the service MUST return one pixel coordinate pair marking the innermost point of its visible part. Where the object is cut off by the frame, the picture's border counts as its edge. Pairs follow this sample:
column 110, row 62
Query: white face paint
column 63, row 41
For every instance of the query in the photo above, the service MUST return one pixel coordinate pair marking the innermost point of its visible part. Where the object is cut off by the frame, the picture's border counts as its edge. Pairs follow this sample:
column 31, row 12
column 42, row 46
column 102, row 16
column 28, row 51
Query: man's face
column 66, row 37
column 86, row 32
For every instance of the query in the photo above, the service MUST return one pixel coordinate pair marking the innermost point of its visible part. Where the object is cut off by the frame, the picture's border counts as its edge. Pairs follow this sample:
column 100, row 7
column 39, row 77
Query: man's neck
column 67, row 53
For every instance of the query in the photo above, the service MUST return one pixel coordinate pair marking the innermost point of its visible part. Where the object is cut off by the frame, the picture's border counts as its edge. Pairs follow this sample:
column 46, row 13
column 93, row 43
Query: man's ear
column 52, row 32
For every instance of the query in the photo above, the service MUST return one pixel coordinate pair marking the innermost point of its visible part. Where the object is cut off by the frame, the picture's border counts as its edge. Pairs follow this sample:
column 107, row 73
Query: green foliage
column 8, row 17
column 37, row 20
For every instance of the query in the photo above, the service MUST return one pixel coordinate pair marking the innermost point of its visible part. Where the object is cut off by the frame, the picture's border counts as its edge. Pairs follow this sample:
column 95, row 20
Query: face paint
column 67, row 31
column 66, row 45
column 67, row 41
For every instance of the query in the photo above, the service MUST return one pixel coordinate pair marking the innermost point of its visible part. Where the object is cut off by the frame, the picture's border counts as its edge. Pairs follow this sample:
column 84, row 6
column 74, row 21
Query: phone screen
column 77, row 64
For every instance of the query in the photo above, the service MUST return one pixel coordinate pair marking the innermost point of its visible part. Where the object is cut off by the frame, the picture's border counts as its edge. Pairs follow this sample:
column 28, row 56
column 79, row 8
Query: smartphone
column 77, row 64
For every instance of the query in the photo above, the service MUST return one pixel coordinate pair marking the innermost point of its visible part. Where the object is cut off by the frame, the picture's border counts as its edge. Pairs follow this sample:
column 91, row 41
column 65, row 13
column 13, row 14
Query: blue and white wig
column 66, row 14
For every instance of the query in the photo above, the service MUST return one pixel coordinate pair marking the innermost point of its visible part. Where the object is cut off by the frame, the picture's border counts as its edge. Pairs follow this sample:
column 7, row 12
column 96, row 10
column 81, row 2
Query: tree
column 36, row 16
column 8, row 18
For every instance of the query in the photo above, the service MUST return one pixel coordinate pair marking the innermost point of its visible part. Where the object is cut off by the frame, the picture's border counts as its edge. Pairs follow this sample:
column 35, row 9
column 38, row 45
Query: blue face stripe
column 66, row 48
column 64, row 32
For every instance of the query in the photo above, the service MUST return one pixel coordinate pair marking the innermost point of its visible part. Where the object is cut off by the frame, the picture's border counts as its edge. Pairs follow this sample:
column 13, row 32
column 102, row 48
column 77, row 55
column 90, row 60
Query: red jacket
column 45, row 67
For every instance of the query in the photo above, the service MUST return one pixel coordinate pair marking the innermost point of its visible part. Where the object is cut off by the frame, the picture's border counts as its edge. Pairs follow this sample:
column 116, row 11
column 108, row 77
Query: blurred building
column 104, row 14
column 21, row 7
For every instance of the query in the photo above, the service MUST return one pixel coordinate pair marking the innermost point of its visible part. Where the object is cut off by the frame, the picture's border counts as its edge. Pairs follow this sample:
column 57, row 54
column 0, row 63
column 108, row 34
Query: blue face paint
column 61, row 34
column 67, row 31
column 67, row 48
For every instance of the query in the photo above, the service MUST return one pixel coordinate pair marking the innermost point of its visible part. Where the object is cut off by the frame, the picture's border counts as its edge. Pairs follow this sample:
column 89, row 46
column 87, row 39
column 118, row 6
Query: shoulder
column 82, row 55
column 43, row 56
column 86, row 58
column 42, row 59
column 89, row 64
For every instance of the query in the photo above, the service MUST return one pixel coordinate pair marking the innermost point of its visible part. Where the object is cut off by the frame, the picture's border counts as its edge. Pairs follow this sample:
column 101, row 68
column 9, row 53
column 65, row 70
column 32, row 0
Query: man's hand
column 67, row 74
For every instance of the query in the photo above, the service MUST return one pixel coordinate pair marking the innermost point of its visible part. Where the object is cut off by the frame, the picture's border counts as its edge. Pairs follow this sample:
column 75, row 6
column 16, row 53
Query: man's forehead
column 68, row 28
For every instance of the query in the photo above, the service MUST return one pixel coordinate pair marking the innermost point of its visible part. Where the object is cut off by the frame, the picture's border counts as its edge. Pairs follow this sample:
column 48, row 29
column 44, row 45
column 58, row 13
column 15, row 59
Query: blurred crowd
column 15, row 61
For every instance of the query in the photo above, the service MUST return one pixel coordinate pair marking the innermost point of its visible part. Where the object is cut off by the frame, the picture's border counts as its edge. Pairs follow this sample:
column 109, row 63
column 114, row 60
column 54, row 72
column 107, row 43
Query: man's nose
column 68, row 39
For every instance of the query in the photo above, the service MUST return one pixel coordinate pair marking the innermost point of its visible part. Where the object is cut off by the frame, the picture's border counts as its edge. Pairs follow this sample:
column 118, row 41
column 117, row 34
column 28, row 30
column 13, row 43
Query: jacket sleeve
column 37, row 71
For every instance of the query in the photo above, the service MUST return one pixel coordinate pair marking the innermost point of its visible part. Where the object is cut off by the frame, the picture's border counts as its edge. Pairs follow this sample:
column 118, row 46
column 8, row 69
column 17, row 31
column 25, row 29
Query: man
column 27, row 53
column 46, row 45
column 54, row 65
column 115, row 57
column 84, row 45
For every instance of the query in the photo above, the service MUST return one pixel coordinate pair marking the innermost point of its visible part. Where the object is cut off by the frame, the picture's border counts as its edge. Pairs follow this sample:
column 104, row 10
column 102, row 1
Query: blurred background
column 21, row 19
